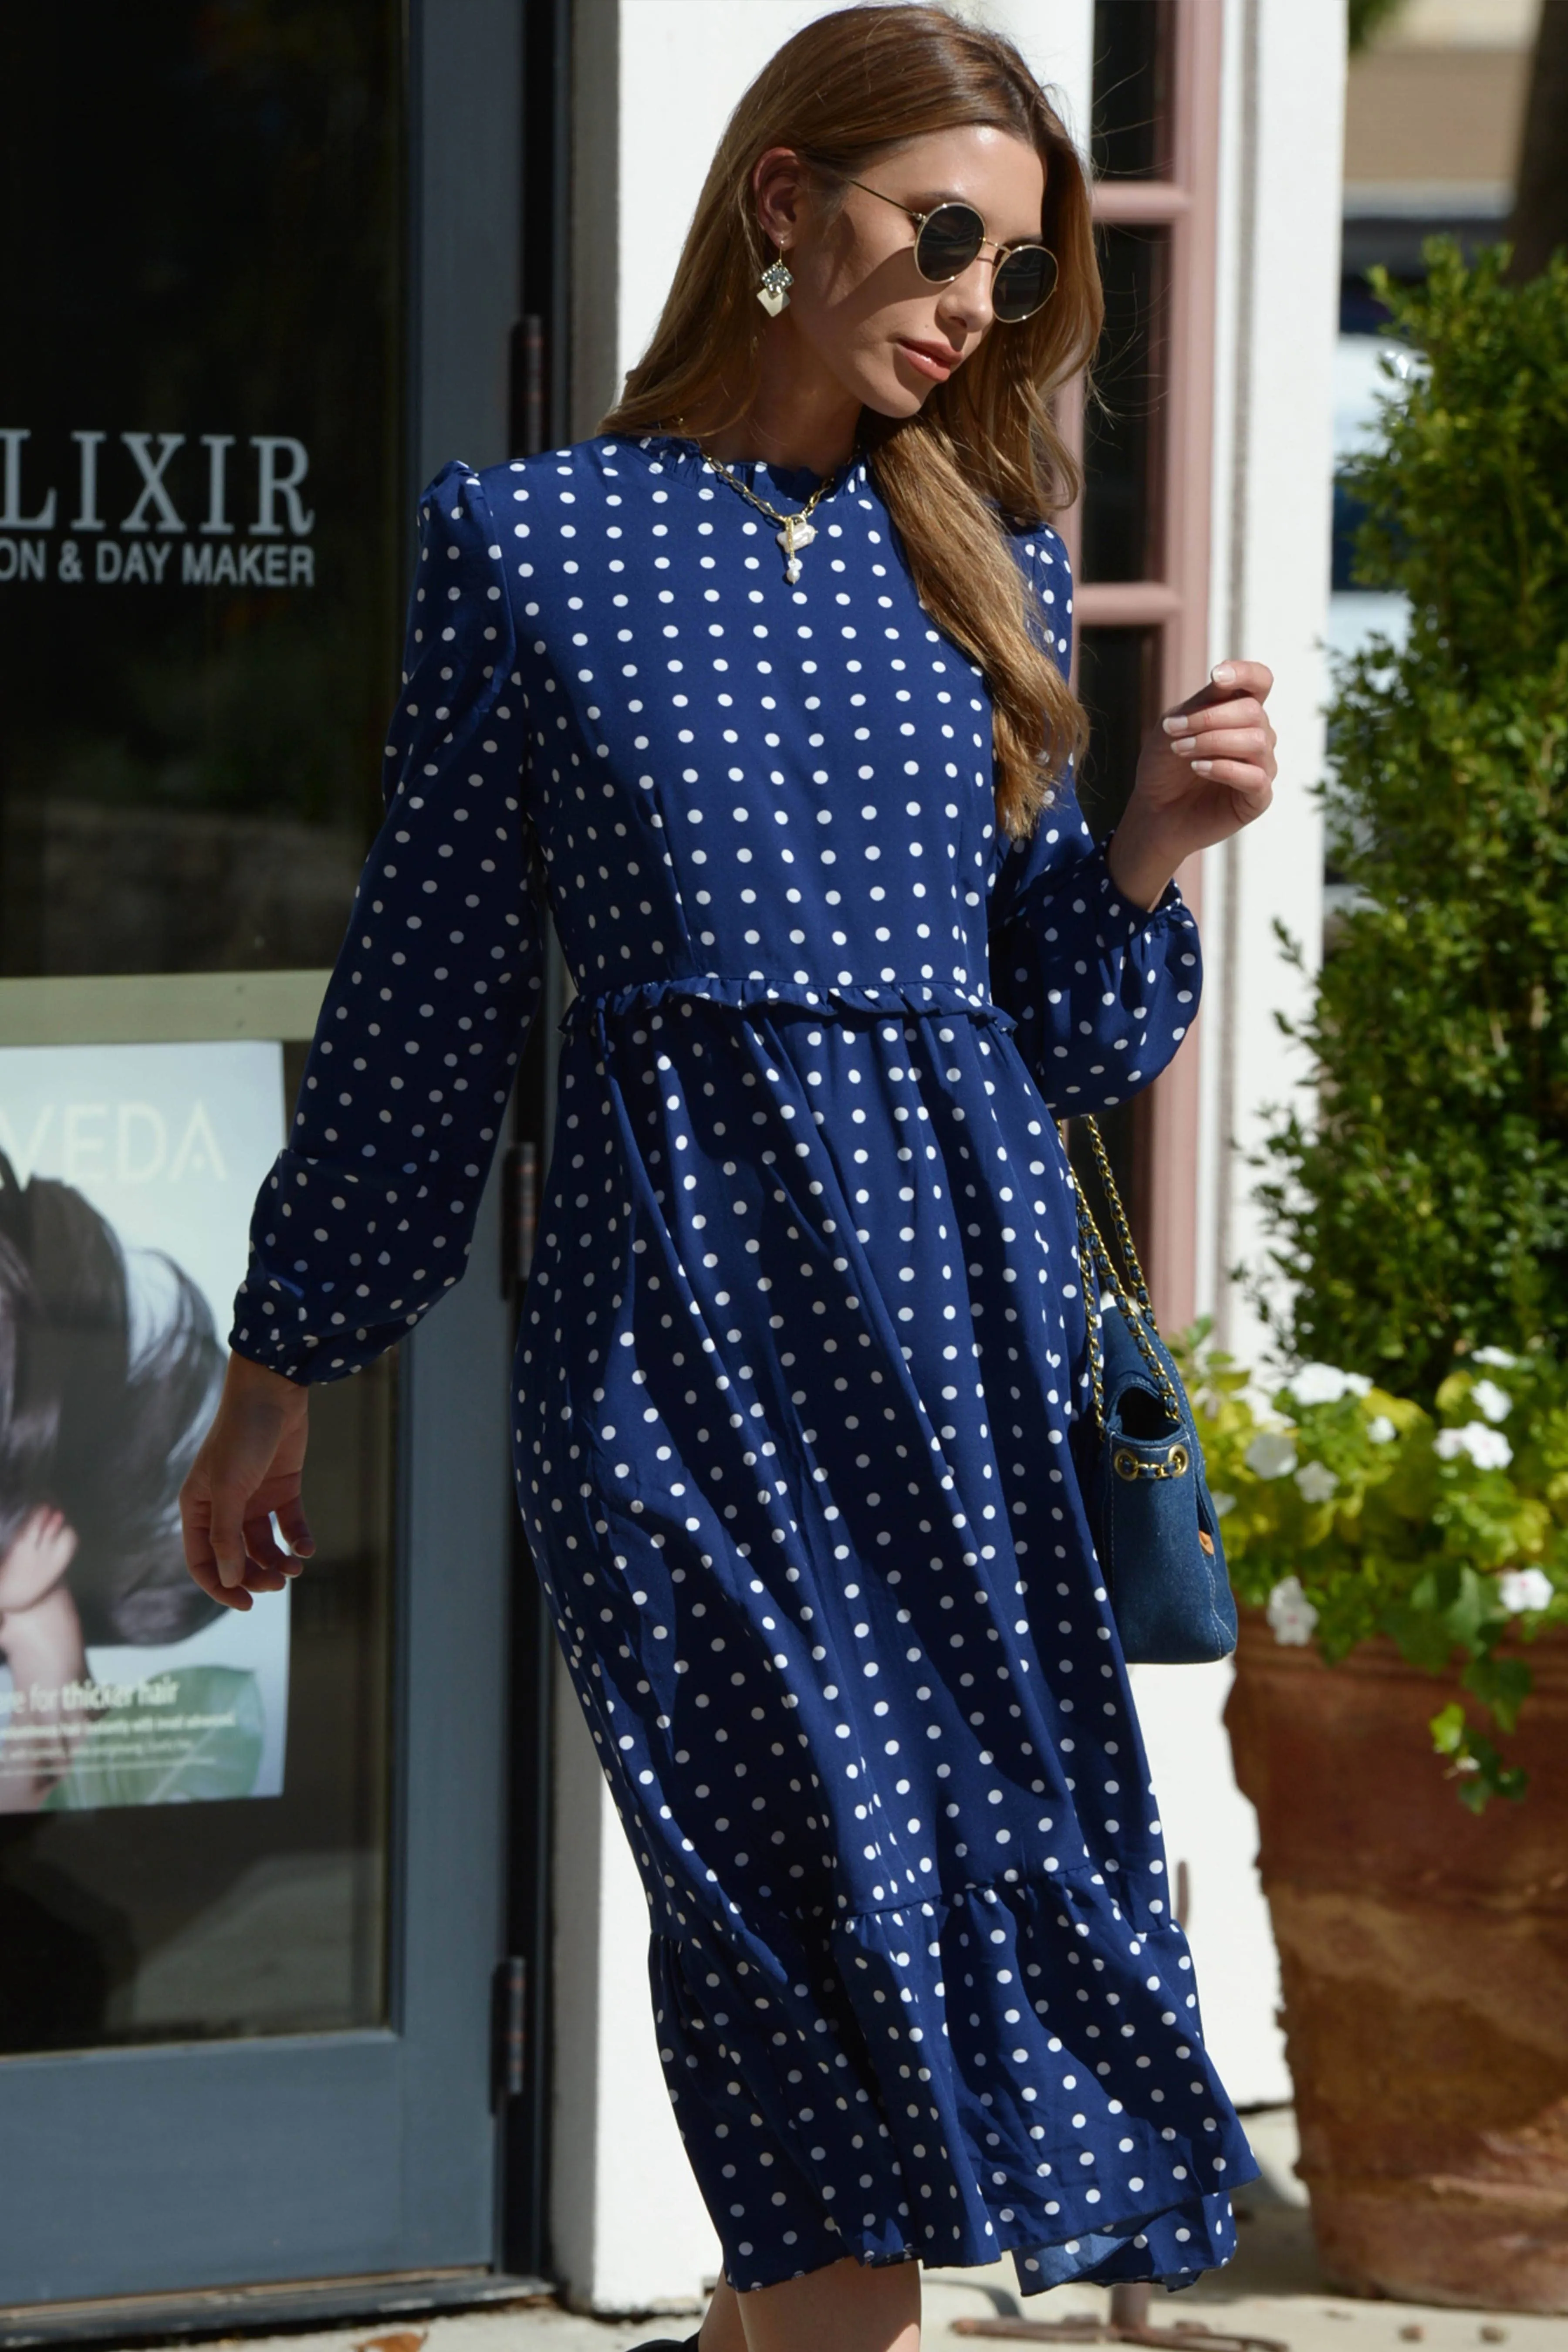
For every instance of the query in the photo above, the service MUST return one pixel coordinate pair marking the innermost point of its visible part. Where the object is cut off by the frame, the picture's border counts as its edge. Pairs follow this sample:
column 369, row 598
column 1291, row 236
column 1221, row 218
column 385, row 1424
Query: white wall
column 1281, row 147
column 628, row 2231
column 1210, row 1826
column 1057, row 38
column 1281, row 139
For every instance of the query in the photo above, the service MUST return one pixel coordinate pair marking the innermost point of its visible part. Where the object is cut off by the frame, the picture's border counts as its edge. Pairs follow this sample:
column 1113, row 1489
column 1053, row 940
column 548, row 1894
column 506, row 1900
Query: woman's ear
column 778, row 186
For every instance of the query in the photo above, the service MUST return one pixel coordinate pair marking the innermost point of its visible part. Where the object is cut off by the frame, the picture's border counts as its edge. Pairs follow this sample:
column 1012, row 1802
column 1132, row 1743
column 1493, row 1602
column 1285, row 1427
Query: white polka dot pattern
column 802, row 1341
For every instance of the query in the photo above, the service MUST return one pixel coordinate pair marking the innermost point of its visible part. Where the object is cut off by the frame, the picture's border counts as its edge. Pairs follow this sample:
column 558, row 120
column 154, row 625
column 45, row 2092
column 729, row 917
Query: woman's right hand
column 248, row 1468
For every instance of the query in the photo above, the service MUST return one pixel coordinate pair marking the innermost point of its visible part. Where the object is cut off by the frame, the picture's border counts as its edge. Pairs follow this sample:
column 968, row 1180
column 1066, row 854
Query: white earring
column 773, row 291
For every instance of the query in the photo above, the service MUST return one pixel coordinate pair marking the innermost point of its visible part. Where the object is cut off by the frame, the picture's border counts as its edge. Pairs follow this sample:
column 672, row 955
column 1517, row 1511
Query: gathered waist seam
column 757, row 993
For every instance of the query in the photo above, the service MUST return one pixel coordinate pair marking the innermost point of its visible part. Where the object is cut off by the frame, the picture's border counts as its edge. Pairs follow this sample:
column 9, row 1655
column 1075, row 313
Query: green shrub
column 1424, row 1213
column 1349, row 1512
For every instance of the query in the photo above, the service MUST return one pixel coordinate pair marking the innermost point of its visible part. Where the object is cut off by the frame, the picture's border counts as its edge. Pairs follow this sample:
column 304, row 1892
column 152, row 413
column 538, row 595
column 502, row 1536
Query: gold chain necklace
column 798, row 530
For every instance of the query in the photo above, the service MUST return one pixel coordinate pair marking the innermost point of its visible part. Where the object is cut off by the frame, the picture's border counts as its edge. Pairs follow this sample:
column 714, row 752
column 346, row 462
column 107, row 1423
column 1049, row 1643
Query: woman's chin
column 891, row 397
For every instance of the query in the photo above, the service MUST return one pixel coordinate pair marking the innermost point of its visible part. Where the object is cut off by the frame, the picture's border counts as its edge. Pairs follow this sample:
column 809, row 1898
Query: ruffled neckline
column 673, row 453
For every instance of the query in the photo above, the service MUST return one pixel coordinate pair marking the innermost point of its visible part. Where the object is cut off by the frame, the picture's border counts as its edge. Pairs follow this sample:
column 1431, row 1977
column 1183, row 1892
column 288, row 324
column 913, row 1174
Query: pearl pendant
column 796, row 533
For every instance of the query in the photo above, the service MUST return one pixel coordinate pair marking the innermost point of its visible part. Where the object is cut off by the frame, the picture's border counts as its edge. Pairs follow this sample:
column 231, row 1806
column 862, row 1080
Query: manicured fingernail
column 1203, row 767
column 1187, row 743
column 1174, row 723
column 1223, row 675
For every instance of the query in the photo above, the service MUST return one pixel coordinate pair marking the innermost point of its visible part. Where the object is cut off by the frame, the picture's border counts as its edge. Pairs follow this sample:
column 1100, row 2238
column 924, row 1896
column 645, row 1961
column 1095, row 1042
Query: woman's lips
column 930, row 358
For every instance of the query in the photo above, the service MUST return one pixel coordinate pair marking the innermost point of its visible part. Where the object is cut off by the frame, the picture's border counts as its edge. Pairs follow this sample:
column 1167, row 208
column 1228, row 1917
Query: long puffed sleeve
column 1103, row 992
column 367, row 1216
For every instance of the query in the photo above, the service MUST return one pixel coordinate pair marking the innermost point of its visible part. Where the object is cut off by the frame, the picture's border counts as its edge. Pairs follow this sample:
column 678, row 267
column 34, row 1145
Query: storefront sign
column 208, row 510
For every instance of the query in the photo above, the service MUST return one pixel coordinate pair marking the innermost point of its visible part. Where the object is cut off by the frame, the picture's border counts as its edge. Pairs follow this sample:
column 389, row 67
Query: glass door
column 251, row 1877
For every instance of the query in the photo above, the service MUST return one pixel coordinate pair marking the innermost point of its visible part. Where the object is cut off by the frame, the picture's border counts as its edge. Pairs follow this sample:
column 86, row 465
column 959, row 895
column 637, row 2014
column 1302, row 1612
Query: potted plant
column 1400, row 1506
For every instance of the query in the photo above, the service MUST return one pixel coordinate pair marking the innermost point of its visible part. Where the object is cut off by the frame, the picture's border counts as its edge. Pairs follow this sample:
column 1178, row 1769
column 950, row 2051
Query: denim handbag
column 1141, row 1465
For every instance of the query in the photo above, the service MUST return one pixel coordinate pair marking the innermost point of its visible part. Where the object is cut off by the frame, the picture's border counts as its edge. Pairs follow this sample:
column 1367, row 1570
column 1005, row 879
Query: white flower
column 1271, row 1454
column 1495, row 1402
column 1317, row 1481
column 1488, row 1449
column 1221, row 1504
column 1524, row 1588
column 1325, row 1384
column 1381, row 1430
column 1259, row 1403
column 1290, row 1613
column 1499, row 1355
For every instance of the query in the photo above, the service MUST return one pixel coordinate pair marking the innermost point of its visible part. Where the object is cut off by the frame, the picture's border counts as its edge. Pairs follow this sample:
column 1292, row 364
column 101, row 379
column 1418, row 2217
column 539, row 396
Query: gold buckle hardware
column 1127, row 1464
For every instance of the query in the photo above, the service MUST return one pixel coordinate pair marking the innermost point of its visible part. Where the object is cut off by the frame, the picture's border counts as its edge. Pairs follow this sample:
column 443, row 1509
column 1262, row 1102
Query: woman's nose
column 966, row 303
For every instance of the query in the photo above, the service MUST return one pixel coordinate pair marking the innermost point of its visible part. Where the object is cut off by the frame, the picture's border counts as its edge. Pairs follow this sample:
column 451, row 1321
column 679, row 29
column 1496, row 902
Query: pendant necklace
column 798, row 531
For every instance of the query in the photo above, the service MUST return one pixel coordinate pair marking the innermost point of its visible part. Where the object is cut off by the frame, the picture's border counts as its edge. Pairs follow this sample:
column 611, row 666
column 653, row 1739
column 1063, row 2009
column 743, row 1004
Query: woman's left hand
column 1206, row 770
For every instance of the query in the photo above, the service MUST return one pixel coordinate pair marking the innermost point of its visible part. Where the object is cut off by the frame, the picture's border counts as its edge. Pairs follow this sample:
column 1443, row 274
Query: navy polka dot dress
column 802, row 1341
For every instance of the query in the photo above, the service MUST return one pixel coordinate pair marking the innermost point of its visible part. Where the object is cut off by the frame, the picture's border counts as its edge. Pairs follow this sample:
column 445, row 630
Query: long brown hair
column 844, row 89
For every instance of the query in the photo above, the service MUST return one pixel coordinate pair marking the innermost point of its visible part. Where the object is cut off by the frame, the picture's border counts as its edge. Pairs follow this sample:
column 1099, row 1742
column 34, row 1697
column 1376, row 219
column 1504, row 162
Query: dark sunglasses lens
column 948, row 242
column 1025, row 281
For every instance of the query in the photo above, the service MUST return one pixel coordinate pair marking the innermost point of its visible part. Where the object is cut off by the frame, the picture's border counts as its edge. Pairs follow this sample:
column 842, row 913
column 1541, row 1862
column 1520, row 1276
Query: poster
column 127, row 1178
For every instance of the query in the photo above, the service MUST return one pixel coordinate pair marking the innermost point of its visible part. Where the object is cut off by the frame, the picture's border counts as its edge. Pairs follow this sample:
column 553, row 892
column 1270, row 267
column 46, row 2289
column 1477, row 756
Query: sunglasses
column 949, row 237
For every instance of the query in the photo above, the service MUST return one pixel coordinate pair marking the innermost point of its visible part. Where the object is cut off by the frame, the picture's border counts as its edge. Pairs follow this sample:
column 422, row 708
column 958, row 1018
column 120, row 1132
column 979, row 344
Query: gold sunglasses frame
column 1002, row 254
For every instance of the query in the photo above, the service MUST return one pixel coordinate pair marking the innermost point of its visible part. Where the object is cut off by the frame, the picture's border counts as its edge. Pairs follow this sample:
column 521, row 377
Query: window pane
column 1132, row 107
column 1123, row 439
column 168, row 1883
column 202, row 524
column 1118, row 685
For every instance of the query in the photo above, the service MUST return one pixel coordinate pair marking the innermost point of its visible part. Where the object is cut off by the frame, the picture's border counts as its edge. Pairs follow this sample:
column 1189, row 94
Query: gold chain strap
column 1119, row 1217
column 1089, row 1249
column 1095, row 1259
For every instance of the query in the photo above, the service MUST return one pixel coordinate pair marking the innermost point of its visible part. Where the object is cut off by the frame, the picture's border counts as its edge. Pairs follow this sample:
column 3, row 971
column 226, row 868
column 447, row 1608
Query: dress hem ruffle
column 1071, row 2135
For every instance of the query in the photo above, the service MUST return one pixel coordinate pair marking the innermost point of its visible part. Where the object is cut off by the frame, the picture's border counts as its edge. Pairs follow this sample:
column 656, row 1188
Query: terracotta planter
column 1425, row 1959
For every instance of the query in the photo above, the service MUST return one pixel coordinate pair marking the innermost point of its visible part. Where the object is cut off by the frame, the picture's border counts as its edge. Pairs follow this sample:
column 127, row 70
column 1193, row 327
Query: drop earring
column 772, row 293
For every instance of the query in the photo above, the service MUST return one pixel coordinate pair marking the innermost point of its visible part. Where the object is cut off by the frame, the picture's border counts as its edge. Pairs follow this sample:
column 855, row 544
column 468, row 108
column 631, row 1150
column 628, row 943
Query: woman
column 803, row 1336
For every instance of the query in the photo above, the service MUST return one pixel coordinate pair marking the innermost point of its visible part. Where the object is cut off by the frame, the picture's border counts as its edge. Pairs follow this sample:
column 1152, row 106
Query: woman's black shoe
column 667, row 2343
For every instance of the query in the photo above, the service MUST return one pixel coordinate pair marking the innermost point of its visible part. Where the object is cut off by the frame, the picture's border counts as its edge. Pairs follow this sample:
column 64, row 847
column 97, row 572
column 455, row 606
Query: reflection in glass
column 189, row 1922
column 1131, row 128
column 1118, row 674
column 165, row 1883
column 1118, row 686
column 1122, row 443
column 200, row 507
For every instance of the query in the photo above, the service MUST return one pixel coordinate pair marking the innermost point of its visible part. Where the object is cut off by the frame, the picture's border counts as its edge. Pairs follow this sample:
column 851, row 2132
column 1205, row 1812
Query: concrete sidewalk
column 1272, row 2290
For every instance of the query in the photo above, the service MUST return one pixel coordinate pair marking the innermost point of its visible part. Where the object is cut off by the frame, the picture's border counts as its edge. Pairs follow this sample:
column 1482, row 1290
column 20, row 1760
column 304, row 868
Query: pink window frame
column 1177, row 603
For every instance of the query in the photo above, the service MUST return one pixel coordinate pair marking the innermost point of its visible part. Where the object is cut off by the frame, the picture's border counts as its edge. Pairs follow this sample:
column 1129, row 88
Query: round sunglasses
column 952, row 235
